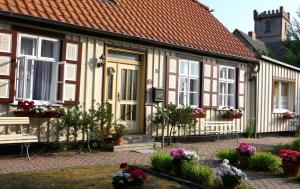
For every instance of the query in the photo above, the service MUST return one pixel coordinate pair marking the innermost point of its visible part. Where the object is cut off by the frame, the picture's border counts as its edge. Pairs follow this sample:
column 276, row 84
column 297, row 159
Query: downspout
column 253, row 77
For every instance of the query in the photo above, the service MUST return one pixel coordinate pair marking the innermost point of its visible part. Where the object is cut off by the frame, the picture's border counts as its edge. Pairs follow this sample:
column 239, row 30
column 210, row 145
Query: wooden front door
column 124, row 93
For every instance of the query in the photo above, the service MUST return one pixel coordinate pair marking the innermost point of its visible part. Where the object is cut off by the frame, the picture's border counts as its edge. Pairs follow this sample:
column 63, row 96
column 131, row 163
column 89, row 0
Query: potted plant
column 24, row 108
column 118, row 135
column 230, row 175
column 179, row 155
column 231, row 113
column 245, row 151
column 290, row 162
column 199, row 113
column 129, row 178
column 288, row 115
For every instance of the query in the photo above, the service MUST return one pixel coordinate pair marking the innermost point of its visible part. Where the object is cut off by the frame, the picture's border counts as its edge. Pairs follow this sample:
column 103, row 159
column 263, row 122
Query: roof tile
column 182, row 22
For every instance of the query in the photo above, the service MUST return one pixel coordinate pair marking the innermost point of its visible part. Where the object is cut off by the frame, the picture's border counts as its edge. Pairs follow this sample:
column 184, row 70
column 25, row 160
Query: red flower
column 139, row 173
column 123, row 165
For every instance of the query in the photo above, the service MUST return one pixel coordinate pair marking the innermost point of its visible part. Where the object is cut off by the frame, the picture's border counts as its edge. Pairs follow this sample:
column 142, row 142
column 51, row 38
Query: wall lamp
column 101, row 61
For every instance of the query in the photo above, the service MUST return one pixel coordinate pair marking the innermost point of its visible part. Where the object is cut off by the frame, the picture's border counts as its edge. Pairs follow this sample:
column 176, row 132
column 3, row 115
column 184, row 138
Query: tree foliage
column 292, row 43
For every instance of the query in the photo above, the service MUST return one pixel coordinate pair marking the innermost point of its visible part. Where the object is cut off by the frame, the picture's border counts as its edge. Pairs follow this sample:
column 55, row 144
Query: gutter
column 263, row 57
column 119, row 36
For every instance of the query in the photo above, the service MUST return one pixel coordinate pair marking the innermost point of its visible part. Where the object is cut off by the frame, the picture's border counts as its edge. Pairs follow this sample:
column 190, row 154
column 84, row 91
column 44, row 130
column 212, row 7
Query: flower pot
column 177, row 167
column 244, row 160
column 230, row 182
column 290, row 168
column 119, row 141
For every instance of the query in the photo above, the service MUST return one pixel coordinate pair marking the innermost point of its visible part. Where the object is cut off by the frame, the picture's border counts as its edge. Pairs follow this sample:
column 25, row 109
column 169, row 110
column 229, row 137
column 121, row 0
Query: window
column 268, row 26
column 283, row 95
column 38, row 68
column 188, row 83
column 227, row 87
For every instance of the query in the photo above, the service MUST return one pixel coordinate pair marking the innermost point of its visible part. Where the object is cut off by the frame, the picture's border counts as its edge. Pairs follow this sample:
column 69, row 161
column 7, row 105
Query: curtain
column 42, row 80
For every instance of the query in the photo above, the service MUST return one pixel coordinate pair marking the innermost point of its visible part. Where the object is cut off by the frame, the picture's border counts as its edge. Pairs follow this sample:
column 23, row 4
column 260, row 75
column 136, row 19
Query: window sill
column 281, row 111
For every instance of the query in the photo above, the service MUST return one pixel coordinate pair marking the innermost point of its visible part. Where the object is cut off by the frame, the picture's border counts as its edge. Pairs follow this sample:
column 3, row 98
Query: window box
column 288, row 115
column 199, row 113
column 230, row 113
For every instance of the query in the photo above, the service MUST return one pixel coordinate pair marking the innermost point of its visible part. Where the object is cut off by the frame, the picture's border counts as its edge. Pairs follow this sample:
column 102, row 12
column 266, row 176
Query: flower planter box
column 290, row 168
column 35, row 115
column 200, row 116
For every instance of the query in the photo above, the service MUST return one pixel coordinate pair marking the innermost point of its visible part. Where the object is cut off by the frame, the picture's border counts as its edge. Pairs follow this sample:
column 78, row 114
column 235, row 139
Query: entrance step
column 137, row 146
column 130, row 139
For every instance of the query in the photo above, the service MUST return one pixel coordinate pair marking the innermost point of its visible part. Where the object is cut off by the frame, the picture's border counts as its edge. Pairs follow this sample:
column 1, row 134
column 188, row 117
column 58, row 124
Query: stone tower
column 271, row 26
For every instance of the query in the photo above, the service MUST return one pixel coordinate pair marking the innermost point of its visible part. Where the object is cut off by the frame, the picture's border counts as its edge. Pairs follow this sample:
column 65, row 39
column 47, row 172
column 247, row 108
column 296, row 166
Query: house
column 275, row 89
column 49, row 52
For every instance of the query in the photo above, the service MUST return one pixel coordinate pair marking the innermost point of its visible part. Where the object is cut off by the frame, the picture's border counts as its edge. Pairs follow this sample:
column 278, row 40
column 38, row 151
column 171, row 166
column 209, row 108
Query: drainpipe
column 253, row 77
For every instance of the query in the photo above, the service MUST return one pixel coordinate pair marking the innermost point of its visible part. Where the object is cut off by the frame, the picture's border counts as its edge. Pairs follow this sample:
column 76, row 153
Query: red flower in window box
column 231, row 113
column 199, row 113
column 288, row 115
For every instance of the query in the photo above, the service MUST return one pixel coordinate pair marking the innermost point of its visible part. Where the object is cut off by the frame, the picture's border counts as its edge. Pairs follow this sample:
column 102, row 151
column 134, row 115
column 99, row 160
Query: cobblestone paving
column 207, row 150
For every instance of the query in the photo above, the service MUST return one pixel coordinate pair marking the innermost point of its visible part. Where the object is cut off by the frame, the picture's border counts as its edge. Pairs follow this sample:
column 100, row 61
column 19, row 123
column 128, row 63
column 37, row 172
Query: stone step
column 137, row 146
column 129, row 139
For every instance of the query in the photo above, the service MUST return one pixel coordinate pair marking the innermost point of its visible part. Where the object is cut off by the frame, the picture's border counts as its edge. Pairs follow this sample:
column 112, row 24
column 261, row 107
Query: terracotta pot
column 244, row 160
column 290, row 168
column 119, row 141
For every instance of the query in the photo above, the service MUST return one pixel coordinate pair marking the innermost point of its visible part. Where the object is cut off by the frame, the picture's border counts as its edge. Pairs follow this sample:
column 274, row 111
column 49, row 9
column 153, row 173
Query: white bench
column 21, row 138
column 220, row 127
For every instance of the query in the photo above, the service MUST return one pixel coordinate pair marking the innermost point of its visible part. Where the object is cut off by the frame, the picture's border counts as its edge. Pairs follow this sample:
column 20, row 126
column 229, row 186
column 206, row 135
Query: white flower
column 226, row 161
column 191, row 155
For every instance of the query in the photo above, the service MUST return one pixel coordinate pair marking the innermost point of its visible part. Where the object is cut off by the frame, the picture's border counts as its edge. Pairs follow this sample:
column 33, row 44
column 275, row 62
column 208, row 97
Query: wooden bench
column 220, row 127
column 22, row 138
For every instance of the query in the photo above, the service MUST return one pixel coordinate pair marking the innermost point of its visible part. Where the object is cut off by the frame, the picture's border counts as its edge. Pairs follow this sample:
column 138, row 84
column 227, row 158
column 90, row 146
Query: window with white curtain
column 188, row 83
column 227, row 87
column 283, row 96
column 37, row 68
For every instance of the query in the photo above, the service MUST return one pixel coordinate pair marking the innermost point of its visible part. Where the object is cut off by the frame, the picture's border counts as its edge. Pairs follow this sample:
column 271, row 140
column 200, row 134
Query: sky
column 239, row 13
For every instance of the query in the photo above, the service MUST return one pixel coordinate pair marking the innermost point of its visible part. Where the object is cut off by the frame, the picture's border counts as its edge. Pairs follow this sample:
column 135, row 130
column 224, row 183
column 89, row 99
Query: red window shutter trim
column 13, row 65
column 168, row 74
column 78, row 63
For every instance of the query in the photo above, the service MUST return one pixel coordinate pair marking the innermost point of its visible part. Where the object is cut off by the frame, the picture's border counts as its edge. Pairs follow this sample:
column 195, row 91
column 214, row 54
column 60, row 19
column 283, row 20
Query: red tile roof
column 185, row 23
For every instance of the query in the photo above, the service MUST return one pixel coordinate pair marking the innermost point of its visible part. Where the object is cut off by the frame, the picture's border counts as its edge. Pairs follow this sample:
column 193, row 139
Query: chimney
column 252, row 35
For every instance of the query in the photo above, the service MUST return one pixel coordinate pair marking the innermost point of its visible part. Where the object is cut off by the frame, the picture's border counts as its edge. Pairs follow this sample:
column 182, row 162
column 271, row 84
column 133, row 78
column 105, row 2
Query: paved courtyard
column 207, row 150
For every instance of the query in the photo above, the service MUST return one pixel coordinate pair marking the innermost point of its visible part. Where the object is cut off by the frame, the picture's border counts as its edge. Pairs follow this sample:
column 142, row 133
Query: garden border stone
column 169, row 177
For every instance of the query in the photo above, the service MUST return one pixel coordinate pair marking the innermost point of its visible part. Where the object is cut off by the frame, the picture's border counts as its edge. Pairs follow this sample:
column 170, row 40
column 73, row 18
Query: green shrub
column 250, row 128
column 229, row 154
column 265, row 162
column 162, row 161
column 197, row 173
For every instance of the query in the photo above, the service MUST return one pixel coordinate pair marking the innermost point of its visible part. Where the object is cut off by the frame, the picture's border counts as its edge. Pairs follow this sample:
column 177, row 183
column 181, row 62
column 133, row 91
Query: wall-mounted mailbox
column 158, row 94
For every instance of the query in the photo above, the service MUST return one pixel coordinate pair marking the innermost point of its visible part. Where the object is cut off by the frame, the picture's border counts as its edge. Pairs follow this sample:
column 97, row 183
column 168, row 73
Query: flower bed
column 28, row 109
column 182, row 164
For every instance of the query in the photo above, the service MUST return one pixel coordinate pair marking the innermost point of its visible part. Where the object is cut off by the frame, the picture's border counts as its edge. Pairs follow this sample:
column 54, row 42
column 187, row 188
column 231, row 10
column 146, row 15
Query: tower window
column 268, row 26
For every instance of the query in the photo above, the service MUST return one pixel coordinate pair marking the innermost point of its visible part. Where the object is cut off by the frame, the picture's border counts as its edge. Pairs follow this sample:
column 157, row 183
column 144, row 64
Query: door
column 123, row 92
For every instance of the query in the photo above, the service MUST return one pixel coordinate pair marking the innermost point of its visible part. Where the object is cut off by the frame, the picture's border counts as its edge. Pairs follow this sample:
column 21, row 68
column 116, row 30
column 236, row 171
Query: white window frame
column 37, row 57
column 188, row 77
column 227, row 81
column 289, row 100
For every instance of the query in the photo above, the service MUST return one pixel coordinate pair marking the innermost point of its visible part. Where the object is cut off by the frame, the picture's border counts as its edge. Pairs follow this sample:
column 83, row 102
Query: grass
column 89, row 177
